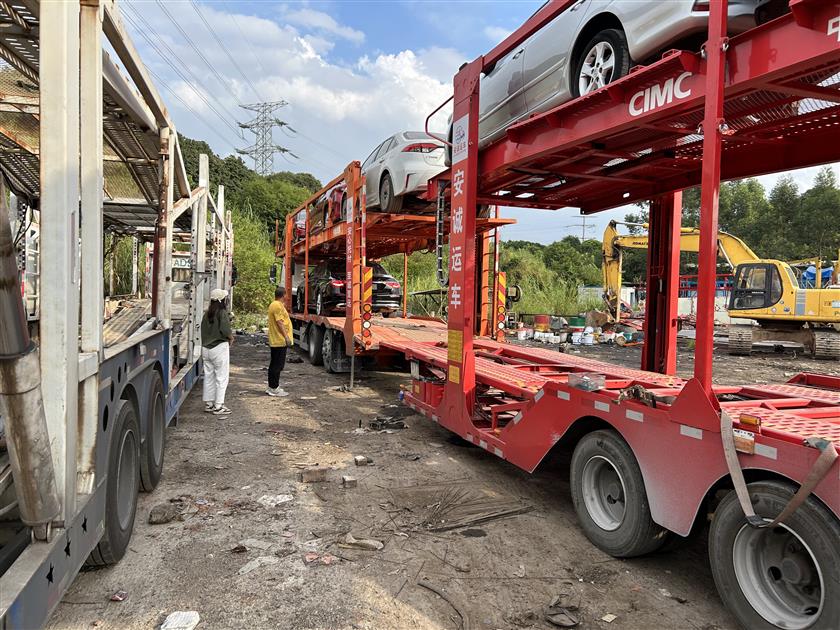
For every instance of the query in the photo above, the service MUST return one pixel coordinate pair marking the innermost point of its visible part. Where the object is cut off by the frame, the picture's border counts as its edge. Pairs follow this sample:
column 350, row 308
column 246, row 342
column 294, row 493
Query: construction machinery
column 764, row 290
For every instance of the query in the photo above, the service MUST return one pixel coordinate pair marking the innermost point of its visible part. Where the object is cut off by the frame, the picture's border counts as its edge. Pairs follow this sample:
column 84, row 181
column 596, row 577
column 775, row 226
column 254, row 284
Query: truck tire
column 784, row 577
column 328, row 349
column 316, row 342
column 154, row 446
column 740, row 340
column 609, row 496
column 826, row 344
column 121, row 487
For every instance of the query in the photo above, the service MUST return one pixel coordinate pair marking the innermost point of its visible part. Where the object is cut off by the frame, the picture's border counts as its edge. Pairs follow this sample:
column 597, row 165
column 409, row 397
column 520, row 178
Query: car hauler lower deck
column 84, row 402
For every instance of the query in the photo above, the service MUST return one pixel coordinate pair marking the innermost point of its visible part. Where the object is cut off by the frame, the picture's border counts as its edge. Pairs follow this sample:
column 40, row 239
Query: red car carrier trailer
column 351, row 232
column 653, row 456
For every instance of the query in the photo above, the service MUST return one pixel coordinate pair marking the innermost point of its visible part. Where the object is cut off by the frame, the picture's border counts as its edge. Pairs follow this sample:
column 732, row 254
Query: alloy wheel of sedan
column 598, row 68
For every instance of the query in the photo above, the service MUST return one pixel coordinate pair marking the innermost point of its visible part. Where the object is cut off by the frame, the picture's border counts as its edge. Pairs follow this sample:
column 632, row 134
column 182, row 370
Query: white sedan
column 400, row 166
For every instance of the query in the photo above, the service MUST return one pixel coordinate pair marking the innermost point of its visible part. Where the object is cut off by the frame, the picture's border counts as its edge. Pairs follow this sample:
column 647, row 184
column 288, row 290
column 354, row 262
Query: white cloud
column 342, row 110
column 496, row 33
column 325, row 23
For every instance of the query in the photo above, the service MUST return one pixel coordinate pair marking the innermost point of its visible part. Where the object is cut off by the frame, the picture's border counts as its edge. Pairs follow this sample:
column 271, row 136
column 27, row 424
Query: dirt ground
column 500, row 574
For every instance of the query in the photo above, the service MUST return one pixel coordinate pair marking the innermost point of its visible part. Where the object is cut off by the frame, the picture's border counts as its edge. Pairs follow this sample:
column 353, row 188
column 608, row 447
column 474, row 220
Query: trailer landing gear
column 787, row 576
column 610, row 499
column 122, row 486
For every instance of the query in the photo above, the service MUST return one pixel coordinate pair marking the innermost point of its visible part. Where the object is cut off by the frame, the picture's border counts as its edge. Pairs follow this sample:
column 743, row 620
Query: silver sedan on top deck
column 593, row 43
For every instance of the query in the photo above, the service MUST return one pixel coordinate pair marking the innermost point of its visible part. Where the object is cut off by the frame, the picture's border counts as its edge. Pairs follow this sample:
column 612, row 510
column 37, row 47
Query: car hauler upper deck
column 92, row 152
column 653, row 454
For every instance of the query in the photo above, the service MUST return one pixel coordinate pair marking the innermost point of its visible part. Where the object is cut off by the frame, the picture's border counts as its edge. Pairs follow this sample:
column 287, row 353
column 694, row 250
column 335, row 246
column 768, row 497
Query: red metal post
column 288, row 275
column 710, row 191
column 663, row 278
column 459, row 395
column 405, row 285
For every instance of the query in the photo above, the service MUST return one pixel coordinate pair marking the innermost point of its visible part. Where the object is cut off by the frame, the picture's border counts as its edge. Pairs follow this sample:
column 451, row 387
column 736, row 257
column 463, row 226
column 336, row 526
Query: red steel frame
column 602, row 151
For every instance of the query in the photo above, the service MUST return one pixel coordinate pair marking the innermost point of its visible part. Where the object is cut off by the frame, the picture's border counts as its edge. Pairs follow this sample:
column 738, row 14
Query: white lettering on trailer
column 659, row 95
column 517, row 418
column 458, row 220
column 539, row 395
column 638, row 416
column 564, row 395
column 455, row 258
column 765, row 451
column 458, row 182
column 436, row 419
column 482, row 444
column 602, row 406
column 834, row 27
column 692, row 432
column 460, row 138
column 498, row 452
column 455, row 296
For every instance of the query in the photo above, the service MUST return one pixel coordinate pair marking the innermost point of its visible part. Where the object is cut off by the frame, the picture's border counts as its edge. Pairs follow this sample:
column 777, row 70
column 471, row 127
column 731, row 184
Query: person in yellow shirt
column 280, row 339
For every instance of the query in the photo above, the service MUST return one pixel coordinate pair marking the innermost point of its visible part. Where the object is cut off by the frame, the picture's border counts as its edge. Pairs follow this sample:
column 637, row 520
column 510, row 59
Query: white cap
column 218, row 294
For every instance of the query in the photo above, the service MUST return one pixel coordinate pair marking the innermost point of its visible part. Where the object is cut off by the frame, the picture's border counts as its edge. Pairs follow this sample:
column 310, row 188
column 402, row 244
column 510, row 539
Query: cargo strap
column 826, row 459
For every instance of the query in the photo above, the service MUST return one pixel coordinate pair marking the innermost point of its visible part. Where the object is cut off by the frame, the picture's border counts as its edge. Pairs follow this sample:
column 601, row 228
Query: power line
column 189, row 82
column 199, row 53
column 188, row 107
column 245, row 39
column 224, row 48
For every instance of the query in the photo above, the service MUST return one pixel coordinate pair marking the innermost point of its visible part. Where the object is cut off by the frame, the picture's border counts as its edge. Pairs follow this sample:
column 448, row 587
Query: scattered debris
column 465, row 620
column 474, row 533
column 412, row 457
column 609, row 617
column 520, row 572
column 273, row 500
column 304, row 464
column 258, row 562
column 309, row 398
column 313, row 475
column 362, row 460
column 342, row 388
column 181, row 620
column 524, row 619
column 239, row 549
column 368, row 544
column 316, row 558
column 561, row 614
column 293, row 358
column 435, row 444
column 119, row 596
column 666, row 593
column 163, row 513
column 381, row 423
column 252, row 543
column 349, row 482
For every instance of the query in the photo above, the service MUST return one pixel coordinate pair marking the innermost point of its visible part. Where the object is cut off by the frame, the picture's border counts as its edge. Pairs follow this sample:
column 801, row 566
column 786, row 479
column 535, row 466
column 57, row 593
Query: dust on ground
column 225, row 476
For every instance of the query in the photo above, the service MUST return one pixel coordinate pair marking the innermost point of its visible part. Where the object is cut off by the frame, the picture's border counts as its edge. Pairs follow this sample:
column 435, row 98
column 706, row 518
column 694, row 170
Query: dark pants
column 278, row 362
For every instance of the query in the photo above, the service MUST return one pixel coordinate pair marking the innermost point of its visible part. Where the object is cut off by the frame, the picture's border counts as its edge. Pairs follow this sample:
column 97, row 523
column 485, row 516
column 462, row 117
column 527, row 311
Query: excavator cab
column 757, row 285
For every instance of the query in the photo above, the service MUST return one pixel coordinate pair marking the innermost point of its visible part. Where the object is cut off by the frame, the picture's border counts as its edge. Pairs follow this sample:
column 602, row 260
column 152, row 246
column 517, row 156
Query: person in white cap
column 216, row 337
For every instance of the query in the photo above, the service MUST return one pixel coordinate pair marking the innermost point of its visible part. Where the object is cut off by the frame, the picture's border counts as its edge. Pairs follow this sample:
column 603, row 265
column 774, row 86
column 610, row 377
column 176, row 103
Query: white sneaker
column 221, row 410
column 208, row 407
column 279, row 393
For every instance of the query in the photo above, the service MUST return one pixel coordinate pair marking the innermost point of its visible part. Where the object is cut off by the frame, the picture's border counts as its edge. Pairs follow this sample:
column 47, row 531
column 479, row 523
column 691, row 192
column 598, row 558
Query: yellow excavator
column 764, row 290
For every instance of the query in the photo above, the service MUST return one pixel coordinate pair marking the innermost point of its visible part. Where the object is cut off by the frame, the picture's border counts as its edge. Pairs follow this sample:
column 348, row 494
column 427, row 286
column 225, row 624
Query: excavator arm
column 731, row 247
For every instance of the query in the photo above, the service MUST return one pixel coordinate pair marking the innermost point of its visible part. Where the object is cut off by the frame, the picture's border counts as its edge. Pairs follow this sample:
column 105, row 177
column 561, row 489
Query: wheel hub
column 778, row 576
column 597, row 68
column 604, row 494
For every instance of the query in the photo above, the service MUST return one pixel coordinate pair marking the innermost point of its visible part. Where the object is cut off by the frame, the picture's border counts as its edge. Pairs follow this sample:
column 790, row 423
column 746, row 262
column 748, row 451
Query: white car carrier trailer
column 89, row 149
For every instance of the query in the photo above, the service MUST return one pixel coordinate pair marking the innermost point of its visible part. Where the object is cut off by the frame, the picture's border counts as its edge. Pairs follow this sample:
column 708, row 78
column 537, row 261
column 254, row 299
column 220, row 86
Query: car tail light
column 421, row 147
column 392, row 284
column 338, row 284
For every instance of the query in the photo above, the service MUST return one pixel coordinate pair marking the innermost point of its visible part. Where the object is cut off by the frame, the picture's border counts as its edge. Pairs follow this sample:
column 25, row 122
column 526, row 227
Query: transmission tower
column 262, row 125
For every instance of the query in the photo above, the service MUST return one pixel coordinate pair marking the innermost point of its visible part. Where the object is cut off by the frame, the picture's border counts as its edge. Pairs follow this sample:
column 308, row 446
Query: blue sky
column 353, row 73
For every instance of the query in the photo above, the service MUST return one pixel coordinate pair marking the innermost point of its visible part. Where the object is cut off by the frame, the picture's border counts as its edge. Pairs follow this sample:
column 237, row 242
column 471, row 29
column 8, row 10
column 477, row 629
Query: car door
column 366, row 166
column 374, row 172
column 547, row 63
column 501, row 97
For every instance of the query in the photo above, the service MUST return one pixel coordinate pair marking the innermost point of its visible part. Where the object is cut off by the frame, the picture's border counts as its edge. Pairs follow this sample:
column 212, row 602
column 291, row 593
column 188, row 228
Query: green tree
column 253, row 256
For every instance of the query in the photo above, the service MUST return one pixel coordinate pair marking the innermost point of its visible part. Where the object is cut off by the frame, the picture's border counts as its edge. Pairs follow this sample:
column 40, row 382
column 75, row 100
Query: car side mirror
column 272, row 274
